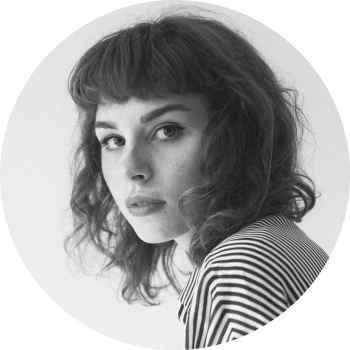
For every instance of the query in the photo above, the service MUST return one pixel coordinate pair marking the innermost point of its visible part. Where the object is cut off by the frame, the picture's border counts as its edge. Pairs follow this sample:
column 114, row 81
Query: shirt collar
column 186, row 295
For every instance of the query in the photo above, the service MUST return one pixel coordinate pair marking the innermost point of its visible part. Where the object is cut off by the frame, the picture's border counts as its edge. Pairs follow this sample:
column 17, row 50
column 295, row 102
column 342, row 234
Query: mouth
column 145, row 208
column 142, row 205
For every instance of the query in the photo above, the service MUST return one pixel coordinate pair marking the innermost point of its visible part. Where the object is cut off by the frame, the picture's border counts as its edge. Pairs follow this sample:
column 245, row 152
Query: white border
column 30, row 30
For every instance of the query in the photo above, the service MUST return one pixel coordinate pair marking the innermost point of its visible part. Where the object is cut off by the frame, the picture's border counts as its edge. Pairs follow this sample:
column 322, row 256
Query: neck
column 184, row 240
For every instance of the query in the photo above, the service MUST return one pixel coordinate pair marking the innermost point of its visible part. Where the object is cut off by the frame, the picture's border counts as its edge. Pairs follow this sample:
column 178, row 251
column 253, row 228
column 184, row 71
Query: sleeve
column 234, row 298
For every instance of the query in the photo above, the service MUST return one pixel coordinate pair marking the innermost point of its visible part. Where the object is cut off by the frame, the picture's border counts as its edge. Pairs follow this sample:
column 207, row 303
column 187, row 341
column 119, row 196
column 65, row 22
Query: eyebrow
column 148, row 116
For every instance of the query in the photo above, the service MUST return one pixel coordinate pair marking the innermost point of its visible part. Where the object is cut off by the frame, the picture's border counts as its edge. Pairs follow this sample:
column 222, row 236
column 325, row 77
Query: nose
column 135, row 164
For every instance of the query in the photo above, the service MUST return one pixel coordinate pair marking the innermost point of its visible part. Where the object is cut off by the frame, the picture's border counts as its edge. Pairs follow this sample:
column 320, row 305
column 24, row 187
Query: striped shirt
column 248, row 280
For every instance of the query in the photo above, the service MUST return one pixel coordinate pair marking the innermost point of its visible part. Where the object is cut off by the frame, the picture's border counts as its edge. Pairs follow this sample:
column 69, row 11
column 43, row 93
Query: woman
column 188, row 139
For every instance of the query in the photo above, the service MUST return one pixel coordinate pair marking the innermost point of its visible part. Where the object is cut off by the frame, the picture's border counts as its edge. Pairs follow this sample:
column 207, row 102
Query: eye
column 167, row 132
column 113, row 142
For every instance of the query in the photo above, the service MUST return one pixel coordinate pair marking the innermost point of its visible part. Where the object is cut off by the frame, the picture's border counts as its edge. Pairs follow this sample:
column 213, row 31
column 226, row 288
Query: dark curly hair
column 249, row 159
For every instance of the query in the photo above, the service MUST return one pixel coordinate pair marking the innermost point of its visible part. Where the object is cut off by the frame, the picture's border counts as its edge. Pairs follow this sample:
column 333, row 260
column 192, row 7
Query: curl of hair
column 250, row 148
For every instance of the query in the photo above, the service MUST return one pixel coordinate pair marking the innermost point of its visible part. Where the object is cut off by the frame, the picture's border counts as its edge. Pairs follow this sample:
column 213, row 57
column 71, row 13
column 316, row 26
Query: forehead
column 139, row 109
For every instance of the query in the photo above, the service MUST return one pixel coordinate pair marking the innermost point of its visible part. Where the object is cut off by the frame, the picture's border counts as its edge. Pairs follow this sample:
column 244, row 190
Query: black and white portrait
column 175, row 175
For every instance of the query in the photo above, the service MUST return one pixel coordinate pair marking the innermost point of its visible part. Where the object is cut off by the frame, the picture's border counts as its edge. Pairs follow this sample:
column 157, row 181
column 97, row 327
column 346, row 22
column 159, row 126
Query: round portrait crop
column 188, row 139
column 176, row 177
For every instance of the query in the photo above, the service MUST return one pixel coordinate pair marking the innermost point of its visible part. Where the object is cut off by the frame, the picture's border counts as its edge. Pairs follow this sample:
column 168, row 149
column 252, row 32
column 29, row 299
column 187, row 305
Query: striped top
column 248, row 280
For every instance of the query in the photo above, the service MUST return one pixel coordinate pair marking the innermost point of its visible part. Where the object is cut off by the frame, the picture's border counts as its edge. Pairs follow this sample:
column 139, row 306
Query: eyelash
column 178, row 129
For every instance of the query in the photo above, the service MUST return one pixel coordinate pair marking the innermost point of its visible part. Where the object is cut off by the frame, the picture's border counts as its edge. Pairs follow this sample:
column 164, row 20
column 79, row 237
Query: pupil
column 169, row 131
column 118, row 141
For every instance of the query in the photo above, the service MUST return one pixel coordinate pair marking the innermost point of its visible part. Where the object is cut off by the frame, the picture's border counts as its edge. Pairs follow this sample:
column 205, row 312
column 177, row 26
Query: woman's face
column 150, row 157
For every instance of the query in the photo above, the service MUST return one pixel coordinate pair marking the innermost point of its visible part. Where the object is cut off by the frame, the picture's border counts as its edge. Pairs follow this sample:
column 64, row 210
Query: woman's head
column 233, row 162
column 150, row 156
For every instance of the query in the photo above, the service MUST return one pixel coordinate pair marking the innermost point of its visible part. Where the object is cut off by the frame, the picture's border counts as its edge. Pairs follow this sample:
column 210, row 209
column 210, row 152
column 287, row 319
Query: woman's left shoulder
column 273, row 242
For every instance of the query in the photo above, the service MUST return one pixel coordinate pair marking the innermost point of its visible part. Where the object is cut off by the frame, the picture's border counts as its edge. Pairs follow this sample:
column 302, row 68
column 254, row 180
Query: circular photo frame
column 36, row 186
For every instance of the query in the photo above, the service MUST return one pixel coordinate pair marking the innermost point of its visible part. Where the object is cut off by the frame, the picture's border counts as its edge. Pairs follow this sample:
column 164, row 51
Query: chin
column 155, row 233
column 153, row 238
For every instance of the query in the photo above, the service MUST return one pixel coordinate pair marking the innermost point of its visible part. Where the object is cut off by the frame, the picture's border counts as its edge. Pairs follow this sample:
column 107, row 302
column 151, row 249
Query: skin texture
column 158, row 158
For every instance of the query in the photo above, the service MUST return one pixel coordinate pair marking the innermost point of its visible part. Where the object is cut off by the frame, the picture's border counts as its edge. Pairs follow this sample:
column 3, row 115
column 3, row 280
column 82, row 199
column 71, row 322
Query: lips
column 140, row 203
column 143, row 205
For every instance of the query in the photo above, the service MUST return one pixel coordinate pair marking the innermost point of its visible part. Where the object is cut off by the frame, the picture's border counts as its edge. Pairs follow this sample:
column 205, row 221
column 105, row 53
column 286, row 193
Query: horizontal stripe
column 246, row 281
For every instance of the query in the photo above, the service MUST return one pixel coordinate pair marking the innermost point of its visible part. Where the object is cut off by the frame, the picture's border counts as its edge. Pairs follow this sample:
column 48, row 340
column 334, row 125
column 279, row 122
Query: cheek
column 185, row 171
column 110, row 175
column 106, row 170
column 191, row 163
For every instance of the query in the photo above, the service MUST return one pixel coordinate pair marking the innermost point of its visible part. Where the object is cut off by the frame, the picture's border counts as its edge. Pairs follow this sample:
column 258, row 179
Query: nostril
column 138, row 177
column 135, row 166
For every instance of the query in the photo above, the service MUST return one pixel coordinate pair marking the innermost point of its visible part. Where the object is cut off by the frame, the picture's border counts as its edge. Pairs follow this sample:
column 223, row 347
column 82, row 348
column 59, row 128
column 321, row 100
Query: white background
column 30, row 31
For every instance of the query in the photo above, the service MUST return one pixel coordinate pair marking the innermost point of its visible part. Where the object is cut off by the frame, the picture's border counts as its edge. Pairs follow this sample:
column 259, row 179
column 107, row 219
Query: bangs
column 145, row 60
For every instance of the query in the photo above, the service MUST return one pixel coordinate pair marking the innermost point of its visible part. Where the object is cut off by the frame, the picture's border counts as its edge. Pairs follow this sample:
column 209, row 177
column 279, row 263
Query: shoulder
column 275, row 238
column 250, row 278
column 271, row 254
